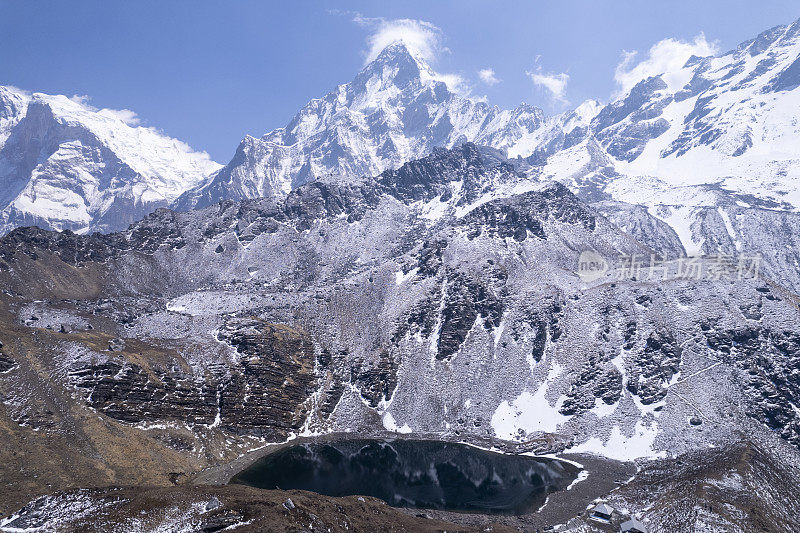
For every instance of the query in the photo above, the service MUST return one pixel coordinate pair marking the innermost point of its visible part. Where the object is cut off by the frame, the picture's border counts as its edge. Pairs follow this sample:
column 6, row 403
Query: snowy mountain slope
column 731, row 120
column 65, row 165
column 556, row 133
column 712, row 150
column 416, row 303
column 13, row 103
column 395, row 110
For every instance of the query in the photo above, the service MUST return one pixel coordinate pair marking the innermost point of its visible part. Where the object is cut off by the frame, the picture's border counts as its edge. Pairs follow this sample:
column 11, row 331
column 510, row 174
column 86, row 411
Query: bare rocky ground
column 742, row 488
column 210, row 509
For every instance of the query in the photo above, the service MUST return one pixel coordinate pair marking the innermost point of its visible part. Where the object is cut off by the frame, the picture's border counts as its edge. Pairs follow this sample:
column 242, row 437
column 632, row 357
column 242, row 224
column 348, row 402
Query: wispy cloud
column 125, row 115
column 665, row 57
column 14, row 88
column 422, row 38
column 82, row 99
column 554, row 84
column 488, row 77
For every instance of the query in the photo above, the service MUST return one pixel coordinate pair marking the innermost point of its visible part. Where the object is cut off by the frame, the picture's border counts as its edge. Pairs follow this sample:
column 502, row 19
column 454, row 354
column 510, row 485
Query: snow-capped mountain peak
column 396, row 66
column 66, row 165
column 588, row 110
column 730, row 120
column 396, row 109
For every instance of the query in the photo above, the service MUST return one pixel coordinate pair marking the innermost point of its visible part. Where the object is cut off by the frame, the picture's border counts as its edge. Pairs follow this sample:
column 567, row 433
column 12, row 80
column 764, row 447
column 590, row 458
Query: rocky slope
column 740, row 488
column 66, row 165
column 414, row 302
column 207, row 510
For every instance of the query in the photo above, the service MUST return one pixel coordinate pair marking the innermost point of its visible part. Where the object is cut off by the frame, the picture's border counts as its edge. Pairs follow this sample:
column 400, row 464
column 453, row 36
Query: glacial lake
column 414, row 473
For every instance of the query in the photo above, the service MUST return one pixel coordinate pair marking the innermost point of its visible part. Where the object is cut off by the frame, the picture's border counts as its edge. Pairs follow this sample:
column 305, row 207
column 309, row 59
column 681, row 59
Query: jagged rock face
column 260, row 392
column 598, row 379
column 654, row 367
column 466, row 301
column 770, row 360
column 276, row 376
column 417, row 300
column 131, row 394
column 522, row 215
column 6, row 363
column 66, row 165
column 376, row 382
column 477, row 171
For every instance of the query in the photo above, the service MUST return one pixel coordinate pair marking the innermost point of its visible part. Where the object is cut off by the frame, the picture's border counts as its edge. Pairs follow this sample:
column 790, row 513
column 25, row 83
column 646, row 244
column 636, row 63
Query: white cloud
column 454, row 82
column 15, row 89
column 664, row 57
column 125, row 115
column 555, row 84
column 423, row 39
column 81, row 99
column 488, row 77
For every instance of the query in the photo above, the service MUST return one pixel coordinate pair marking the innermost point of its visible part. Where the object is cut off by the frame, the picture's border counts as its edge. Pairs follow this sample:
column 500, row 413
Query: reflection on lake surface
column 414, row 473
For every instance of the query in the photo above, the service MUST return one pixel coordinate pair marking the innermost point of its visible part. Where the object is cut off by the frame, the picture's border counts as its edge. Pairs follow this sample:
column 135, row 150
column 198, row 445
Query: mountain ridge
column 635, row 149
column 66, row 165
column 710, row 146
column 396, row 109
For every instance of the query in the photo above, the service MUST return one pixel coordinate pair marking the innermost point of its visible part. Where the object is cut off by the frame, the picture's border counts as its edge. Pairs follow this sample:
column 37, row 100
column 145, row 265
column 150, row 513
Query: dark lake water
column 414, row 473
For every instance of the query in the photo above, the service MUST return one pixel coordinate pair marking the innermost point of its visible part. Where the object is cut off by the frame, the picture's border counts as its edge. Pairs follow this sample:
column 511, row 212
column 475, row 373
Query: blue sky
column 210, row 72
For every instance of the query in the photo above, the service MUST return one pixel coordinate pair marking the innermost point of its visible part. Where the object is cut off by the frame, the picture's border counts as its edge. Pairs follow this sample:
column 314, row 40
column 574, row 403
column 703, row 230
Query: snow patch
column 400, row 277
column 390, row 424
column 622, row 448
column 528, row 413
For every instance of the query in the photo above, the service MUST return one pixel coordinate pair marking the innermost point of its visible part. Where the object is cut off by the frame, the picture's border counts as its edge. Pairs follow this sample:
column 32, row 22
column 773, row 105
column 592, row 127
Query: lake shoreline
column 602, row 476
